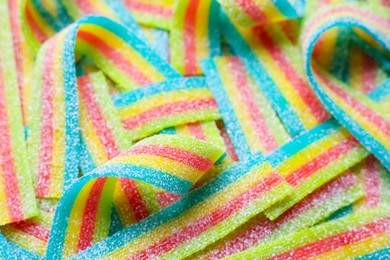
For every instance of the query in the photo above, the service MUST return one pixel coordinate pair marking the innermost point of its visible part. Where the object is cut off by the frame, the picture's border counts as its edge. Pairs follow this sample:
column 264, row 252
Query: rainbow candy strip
column 198, row 219
column 253, row 124
column 366, row 120
column 311, row 210
column 313, row 159
column 354, row 236
column 53, row 132
column 17, row 201
column 102, row 134
column 31, row 234
column 171, row 162
column 154, row 13
column 150, row 109
column 252, row 12
column 193, row 35
column 275, row 64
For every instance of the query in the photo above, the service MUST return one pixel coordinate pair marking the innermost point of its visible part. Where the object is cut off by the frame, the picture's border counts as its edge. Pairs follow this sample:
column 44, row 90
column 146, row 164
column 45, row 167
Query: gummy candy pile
column 198, row 129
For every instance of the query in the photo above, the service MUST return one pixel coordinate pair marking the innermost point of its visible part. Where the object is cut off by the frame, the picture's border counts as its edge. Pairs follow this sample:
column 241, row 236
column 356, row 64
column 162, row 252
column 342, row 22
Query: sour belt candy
column 240, row 129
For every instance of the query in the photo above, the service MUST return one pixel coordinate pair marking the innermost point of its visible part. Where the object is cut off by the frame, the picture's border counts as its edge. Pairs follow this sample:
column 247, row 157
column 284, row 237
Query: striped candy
column 171, row 162
column 17, row 201
column 53, row 132
column 366, row 119
column 354, row 236
column 194, row 35
column 252, row 12
column 253, row 124
column 150, row 109
column 309, row 211
column 276, row 66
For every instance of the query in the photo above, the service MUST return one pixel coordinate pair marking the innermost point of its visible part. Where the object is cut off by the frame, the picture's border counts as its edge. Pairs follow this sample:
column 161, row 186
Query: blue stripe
column 87, row 163
column 138, row 45
column 17, row 252
column 233, row 126
column 169, row 131
column 115, row 222
column 213, row 30
column 72, row 149
column 302, row 141
column 284, row 110
column 288, row 10
column 381, row 254
column 55, row 22
column 339, row 67
column 158, row 88
column 381, row 92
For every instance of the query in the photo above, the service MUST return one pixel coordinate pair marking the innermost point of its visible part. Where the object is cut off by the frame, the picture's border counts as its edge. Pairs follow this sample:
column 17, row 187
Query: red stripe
column 149, row 8
column 371, row 185
column 254, row 12
column 116, row 57
column 167, row 110
column 264, row 227
column 37, row 31
column 16, row 33
column 46, row 146
column 87, row 229
column 8, row 171
column 134, row 197
column 86, row 7
column 360, row 108
column 320, row 195
column 300, row 85
column 197, row 131
column 97, row 117
column 33, row 229
column 174, row 153
column 248, row 99
column 189, row 40
column 166, row 198
column 386, row 3
column 368, row 73
column 211, row 219
column 321, row 161
column 228, row 143
column 337, row 241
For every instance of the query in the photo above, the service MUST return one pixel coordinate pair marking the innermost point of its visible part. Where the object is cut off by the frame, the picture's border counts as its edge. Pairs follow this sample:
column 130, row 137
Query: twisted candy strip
column 53, row 130
column 363, row 117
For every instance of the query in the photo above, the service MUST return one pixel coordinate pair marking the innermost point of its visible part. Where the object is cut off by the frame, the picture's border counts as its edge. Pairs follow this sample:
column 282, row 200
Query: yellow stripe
column 75, row 220
column 59, row 135
column 202, row 43
column 122, row 206
column 163, row 99
column 194, row 214
column 4, row 214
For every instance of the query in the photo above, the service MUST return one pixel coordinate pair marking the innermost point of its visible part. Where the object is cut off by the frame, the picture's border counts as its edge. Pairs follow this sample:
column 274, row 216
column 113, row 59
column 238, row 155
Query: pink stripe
column 368, row 73
column 166, row 198
column 116, row 57
column 97, row 117
column 300, row 85
column 86, row 6
column 228, row 143
column 372, row 182
column 254, row 12
column 33, row 229
column 197, row 131
column 134, row 197
column 149, row 8
column 8, row 171
column 258, row 120
column 174, row 153
column 47, row 107
column 360, row 108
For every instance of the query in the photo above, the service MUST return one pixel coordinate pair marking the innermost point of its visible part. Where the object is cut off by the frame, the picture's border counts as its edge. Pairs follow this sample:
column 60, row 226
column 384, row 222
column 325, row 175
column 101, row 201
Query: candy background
column 199, row 129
